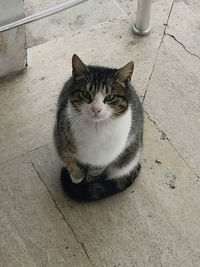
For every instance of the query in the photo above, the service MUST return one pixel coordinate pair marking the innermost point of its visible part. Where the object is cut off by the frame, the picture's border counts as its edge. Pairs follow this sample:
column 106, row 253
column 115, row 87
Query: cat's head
column 100, row 93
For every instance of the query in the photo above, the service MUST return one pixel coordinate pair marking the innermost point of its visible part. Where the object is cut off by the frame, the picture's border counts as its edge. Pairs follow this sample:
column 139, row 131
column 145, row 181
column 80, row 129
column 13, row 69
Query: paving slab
column 130, row 6
column 153, row 223
column 32, row 229
column 28, row 114
column 184, row 24
column 80, row 17
column 173, row 99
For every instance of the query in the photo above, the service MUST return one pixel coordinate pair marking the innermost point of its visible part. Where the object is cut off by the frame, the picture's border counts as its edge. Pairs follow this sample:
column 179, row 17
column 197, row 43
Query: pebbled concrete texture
column 156, row 221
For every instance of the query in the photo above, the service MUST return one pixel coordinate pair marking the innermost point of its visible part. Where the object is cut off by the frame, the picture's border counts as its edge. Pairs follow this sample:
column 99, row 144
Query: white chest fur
column 100, row 143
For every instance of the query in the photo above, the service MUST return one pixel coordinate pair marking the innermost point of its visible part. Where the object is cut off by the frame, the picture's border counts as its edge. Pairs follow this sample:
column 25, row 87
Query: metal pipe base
column 140, row 32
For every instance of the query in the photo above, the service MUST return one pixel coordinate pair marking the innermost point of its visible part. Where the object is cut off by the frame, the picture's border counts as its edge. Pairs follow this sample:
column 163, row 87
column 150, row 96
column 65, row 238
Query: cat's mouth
column 98, row 117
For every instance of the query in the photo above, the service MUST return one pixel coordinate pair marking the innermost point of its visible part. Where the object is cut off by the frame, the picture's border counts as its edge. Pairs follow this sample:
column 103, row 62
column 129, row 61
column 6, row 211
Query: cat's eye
column 109, row 97
column 85, row 94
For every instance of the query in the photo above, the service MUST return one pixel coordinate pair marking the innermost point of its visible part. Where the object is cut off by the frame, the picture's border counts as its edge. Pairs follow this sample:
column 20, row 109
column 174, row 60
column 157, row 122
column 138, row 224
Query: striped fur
column 101, row 151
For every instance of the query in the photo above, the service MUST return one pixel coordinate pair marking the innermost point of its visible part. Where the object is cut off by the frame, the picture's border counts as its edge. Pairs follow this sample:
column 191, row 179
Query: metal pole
column 41, row 15
column 141, row 27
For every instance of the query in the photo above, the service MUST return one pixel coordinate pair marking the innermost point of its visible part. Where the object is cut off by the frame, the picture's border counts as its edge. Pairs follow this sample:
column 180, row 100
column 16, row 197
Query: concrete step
column 80, row 17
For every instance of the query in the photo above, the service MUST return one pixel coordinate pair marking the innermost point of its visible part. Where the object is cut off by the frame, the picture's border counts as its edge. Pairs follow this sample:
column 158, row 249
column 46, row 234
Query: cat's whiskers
column 75, row 123
column 96, row 126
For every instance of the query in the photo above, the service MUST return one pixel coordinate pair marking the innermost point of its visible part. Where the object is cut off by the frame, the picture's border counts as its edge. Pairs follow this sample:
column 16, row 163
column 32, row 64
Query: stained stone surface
column 173, row 99
column 156, row 221
column 32, row 229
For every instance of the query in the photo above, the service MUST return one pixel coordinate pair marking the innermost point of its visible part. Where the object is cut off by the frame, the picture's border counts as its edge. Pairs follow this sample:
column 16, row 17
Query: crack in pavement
column 167, row 138
column 23, row 154
column 172, row 36
column 63, row 216
column 164, row 32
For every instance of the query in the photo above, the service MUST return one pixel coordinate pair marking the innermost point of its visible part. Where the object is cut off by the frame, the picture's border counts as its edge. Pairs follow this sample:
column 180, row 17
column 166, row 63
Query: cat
column 98, row 131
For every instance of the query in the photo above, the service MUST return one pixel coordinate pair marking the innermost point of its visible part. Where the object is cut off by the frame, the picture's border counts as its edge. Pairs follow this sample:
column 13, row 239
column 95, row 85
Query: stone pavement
column 156, row 221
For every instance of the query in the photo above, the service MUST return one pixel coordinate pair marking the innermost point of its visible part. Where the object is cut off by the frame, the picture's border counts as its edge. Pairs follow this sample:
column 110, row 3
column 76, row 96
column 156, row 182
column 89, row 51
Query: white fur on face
column 99, row 143
column 105, row 113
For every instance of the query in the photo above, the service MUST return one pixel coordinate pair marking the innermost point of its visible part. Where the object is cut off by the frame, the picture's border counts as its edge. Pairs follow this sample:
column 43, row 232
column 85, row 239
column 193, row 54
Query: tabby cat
column 98, row 131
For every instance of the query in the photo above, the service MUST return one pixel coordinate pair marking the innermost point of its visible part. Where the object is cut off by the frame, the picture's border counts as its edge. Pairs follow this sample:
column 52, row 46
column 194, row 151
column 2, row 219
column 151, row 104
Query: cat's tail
column 98, row 189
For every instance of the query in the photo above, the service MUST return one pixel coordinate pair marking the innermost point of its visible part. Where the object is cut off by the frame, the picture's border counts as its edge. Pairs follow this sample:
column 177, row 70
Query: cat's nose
column 96, row 110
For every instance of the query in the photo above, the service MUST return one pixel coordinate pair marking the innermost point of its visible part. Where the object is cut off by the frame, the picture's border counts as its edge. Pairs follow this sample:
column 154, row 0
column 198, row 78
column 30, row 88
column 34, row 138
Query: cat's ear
column 124, row 74
column 79, row 69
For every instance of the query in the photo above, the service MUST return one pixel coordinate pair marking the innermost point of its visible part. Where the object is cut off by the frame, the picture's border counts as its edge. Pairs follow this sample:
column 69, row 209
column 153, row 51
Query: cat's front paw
column 77, row 176
column 75, row 180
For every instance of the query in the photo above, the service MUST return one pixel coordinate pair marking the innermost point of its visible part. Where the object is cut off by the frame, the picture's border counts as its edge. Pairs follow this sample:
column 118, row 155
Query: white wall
column 12, row 42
